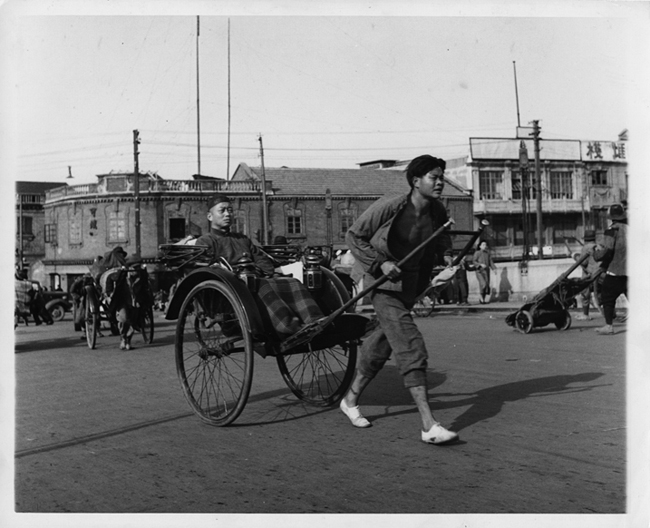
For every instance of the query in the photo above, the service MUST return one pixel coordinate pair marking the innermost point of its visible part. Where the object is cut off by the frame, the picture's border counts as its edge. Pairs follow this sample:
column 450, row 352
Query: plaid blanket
column 289, row 303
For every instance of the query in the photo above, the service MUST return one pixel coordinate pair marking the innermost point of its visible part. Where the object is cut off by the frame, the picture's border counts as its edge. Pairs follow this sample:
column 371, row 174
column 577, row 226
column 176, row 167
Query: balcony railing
column 124, row 185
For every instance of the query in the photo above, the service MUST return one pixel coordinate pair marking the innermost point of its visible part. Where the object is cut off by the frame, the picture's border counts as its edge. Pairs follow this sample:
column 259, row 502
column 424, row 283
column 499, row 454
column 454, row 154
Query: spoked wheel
column 423, row 307
column 524, row 321
column 145, row 324
column 91, row 321
column 214, row 353
column 320, row 377
column 565, row 322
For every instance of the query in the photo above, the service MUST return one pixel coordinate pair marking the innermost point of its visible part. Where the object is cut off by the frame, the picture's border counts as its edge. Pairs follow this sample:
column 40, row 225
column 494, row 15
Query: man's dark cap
column 617, row 213
column 590, row 235
column 217, row 198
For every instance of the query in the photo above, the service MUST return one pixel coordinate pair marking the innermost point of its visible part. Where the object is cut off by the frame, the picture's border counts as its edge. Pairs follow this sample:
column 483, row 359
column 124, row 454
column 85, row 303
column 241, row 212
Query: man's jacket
column 613, row 254
column 368, row 240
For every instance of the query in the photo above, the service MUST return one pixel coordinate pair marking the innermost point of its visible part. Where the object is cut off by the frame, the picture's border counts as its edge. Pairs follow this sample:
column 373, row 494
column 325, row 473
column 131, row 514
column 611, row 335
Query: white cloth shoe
column 438, row 435
column 354, row 415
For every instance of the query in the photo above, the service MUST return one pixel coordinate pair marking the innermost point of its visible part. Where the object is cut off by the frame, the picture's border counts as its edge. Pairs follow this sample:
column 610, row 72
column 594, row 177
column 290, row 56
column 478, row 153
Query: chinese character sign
column 603, row 151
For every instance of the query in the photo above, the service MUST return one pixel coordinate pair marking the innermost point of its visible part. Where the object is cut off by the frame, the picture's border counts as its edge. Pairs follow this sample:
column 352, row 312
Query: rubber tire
column 565, row 324
column 146, row 325
column 202, row 373
column 91, row 322
column 524, row 321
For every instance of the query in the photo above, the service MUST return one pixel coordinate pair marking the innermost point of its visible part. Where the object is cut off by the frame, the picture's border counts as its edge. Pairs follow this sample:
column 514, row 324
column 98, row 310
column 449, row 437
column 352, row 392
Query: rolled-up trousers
column 396, row 334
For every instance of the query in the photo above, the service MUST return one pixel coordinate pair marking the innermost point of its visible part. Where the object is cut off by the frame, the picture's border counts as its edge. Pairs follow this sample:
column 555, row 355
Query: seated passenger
column 288, row 302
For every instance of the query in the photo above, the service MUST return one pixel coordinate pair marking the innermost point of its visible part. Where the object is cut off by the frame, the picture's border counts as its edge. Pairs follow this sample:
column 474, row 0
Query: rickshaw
column 222, row 324
column 96, row 306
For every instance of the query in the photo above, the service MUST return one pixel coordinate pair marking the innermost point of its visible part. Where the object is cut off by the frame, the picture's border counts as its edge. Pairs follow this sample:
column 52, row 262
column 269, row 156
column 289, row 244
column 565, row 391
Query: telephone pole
column 265, row 219
column 538, row 179
column 136, row 190
column 198, row 109
column 523, row 168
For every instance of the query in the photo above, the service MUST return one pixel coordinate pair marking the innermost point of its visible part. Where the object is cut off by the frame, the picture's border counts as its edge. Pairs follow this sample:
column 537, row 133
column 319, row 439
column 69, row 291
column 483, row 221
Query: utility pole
column 198, row 111
column 136, row 190
column 538, row 179
column 523, row 168
column 265, row 219
column 228, row 160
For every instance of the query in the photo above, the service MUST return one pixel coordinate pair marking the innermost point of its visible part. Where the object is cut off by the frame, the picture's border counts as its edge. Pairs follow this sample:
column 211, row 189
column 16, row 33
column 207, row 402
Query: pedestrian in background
column 589, row 267
column 460, row 283
column 37, row 306
column 613, row 258
column 382, row 236
column 482, row 262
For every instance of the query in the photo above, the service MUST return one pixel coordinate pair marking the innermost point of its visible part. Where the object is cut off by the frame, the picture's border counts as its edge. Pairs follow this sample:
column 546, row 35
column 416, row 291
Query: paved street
column 541, row 417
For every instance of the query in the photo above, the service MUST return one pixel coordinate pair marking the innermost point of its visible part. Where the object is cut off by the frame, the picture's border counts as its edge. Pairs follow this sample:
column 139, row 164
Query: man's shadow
column 484, row 403
column 487, row 403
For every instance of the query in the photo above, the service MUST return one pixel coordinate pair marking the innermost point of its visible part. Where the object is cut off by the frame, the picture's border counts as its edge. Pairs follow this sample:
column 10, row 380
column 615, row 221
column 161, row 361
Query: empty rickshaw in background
column 551, row 305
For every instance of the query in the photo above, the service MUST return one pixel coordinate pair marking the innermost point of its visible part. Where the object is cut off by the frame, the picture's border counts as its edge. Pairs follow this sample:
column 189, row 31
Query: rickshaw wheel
column 146, row 324
column 565, row 322
column 524, row 321
column 91, row 322
column 320, row 377
column 214, row 352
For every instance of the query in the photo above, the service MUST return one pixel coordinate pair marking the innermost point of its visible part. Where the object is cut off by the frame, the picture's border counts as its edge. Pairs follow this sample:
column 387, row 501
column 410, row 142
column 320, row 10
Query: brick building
column 307, row 206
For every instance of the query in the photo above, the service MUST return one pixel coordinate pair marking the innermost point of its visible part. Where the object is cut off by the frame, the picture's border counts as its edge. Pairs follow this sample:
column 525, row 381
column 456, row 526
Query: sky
column 320, row 90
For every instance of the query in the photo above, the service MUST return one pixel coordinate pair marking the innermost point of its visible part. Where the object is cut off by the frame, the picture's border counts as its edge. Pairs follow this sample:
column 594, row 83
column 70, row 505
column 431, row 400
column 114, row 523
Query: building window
column 491, row 185
column 240, row 224
column 599, row 177
column 294, row 222
column 517, row 188
column 599, row 219
column 27, row 225
column 499, row 228
column 117, row 226
column 176, row 229
column 561, row 185
column 347, row 217
column 563, row 228
column 75, row 230
column 50, row 234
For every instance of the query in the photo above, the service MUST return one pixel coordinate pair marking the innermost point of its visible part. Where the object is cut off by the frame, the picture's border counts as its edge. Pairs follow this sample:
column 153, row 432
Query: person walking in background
column 613, row 258
column 37, row 306
column 382, row 236
column 460, row 283
column 482, row 262
column 589, row 267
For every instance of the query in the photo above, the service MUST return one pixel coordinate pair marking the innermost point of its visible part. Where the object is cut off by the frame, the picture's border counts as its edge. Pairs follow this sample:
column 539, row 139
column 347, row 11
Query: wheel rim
column 91, row 328
column 320, row 377
column 57, row 313
column 214, row 353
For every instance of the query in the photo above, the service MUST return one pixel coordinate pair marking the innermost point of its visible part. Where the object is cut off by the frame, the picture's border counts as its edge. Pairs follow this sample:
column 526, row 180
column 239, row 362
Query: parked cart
column 551, row 305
